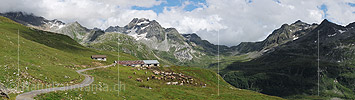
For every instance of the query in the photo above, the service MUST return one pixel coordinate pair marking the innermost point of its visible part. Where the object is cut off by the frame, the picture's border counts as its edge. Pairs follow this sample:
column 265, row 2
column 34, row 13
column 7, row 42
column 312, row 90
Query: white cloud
column 235, row 20
column 129, row 3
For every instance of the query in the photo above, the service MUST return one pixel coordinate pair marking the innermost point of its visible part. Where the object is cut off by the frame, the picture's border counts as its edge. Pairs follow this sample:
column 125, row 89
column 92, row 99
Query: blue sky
column 351, row 4
column 324, row 8
column 172, row 3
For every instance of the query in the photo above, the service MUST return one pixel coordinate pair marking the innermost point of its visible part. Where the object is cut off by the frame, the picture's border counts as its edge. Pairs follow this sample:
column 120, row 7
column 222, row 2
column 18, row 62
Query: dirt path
column 87, row 81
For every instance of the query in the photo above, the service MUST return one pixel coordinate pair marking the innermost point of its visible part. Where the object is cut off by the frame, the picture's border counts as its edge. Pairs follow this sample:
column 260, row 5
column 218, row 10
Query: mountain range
column 182, row 49
column 291, row 70
column 284, row 64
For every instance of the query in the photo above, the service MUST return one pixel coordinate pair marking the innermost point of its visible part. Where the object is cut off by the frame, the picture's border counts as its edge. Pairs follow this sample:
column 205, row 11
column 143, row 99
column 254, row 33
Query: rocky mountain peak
column 138, row 20
column 299, row 23
column 137, row 23
column 115, row 29
column 325, row 21
column 327, row 24
column 25, row 18
column 192, row 36
column 329, row 31
column 75, row 24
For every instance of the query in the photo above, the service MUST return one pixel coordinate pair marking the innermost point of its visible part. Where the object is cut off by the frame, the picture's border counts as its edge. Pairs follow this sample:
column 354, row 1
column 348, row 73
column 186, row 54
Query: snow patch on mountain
column 295, row 37
column 341, row 31
column 332, row 35
column 56, row 25
column 142, row 28
column 143, row 23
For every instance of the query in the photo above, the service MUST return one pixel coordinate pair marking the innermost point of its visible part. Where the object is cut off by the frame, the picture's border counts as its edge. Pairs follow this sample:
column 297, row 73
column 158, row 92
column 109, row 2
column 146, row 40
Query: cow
column 129, row 77
column 174, row 83
column 156, row 72
column 204, row 85
column 153, row 76
column 139, row 80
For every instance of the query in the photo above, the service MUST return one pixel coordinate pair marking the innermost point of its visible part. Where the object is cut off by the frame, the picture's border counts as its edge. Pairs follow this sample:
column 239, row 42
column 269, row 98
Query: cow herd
column 169, row 77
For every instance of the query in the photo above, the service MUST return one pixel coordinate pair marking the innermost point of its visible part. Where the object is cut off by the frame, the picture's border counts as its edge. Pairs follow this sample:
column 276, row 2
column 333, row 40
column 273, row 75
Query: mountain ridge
column 290, row 70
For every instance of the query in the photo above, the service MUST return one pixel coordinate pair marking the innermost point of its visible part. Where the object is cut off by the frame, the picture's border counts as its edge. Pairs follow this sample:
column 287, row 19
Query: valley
column 282, row 66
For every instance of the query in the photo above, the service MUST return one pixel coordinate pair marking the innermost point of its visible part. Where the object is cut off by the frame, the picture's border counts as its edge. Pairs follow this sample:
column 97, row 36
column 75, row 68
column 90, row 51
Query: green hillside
column 132, row 89
column 44, row 57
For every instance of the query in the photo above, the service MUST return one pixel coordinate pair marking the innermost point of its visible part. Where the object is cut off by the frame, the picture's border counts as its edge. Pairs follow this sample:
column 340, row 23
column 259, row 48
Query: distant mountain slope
column 73, row 30
column 284, row 34
column 291, row 69
column 206, row 46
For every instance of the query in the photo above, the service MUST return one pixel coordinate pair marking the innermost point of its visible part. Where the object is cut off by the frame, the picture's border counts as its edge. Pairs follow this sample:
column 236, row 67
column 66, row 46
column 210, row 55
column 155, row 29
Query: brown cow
column 153, row 76
column 139, row 80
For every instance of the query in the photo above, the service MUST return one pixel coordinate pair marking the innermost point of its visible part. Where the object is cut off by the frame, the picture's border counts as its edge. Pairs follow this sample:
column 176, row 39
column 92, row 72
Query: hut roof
column 131, row 62
column 151, row 61
column 98, row 56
